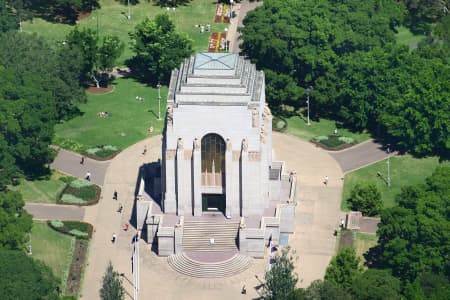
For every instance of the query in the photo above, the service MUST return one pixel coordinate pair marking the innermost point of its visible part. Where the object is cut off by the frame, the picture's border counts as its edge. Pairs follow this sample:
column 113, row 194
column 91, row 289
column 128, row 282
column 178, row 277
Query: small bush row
column 80, row 230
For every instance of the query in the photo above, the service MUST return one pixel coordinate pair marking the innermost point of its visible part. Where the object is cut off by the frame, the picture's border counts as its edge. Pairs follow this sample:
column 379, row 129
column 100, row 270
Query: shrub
column 79, row 234
column 93, row 151
column 79, row 183
column 321, row 138
column 69, row 144
column 56, row 223
column 110, row 148
column 366, row 198
column 346, row 140
column 68, row 198
column 280, row 124
column 67, row 179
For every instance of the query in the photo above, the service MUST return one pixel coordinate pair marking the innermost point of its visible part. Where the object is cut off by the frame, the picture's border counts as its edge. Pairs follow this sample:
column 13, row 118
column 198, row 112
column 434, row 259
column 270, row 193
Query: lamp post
column 308, row 90
column 159, row 101
column 388, row 150
column 129, row 10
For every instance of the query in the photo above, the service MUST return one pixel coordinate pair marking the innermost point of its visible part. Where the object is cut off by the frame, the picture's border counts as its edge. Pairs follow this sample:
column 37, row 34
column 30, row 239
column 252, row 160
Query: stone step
column 190, row 267
column 198, row 233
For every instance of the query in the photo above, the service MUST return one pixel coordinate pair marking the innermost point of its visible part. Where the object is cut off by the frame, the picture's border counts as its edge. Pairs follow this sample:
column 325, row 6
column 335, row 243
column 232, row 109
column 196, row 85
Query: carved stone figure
column 229, row 144
column 255, row 118
column 169, row 115
column 244, row 145
column 197, row 144
column 180, row 143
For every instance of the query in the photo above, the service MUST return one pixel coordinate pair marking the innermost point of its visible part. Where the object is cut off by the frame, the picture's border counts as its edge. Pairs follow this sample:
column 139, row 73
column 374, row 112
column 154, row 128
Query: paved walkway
column 69, row 163
column 360, row 155
column 318, row 215
column 41, row 211
column 241, row 11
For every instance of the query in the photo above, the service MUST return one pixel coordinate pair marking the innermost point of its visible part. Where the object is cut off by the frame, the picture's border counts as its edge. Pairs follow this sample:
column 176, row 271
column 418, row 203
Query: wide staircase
column 210, row 235
column 186, row 265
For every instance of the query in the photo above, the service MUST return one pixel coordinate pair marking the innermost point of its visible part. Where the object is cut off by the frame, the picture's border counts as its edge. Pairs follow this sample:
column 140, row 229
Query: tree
column 366, row 197
column 112, row 288
column 7, row 21
column 15, row 222
column 158, row 49
column 414, row 237
column 375, row 284
column 25, row 279
column 99, row 55
column 343, row 268
column 322, row 290
column 281, row 279
column 428, row 286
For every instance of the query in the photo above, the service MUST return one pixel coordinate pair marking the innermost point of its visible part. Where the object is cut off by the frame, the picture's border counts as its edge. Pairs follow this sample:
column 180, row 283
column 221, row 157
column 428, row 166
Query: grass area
column 297, row 126
column 129, row 118
column 111, row 18
column 405, row 170
column 41, row 190
column 405, row 37
column 363, row 242
column 53, row 248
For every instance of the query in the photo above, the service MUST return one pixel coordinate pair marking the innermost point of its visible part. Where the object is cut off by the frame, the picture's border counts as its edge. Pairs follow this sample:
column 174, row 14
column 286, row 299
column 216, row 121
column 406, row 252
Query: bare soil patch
column 76, row 268
column 100, row 90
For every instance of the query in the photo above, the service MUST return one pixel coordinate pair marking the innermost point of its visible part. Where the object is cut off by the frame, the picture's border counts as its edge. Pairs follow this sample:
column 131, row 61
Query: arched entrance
column 213, row 173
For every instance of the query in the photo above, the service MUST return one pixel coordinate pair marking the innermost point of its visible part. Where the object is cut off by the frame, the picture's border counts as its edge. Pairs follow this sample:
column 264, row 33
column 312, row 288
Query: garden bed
column 217, row 42
column 102, row 153
column 279, row 124
column 333, row 142
column 79, row 192
column 82, row 232
column 101, row 90
column 223, row 13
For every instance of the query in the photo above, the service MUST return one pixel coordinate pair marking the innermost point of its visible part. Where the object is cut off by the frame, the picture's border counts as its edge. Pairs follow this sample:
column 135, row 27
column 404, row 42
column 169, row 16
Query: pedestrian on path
column 114, row 236
column 325, row 180
column 342, row 223
column 244, row 290
column 82, row 160
column 88, row 176
column 126, row 227
column 119, row 210
column 115, row 195
column 145, row 150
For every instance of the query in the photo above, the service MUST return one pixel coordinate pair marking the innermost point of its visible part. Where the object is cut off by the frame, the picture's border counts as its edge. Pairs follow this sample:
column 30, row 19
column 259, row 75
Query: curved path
column 360, row 155
column 69, row 163
column 318, row 214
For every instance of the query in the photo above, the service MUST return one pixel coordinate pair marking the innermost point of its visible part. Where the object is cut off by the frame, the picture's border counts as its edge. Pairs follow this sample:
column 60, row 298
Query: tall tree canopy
column 158, row 48
column 281, row 278
column 112, row 288
column 343, row 268
column 25, row 279
column 414, row 237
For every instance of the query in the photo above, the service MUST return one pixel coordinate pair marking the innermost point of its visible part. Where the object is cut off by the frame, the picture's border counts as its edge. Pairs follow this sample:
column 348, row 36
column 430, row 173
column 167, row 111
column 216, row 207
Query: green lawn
column 405, row 170
column 41, row 190
column 406, row 37
column 53, row 248
column 297, row 126
column 112, row 19
column 129, row 118
column 363, row 242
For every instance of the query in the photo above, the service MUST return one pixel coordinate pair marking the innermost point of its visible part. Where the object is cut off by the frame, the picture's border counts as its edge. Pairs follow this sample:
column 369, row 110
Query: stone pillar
column 170, row 202
column 244, row 178
column 197, row 180
column 229, row 182
column 181, row 193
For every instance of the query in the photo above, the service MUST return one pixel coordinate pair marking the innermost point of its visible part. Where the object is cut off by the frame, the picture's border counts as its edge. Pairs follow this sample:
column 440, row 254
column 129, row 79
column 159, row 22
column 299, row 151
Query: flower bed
column 79, row 192
column 80, row 230
column 223, row 13
column 333, row 142
column 104, row 152
column 217, row 42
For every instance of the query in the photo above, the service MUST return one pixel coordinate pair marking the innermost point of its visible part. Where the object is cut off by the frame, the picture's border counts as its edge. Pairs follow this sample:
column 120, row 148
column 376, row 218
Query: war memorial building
column 220, row 189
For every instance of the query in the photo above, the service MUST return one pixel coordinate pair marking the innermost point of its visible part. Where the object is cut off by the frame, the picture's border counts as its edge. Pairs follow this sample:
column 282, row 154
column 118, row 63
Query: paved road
column 42, row 211
column 241, row 11
column 360, row 155
column 69, row 163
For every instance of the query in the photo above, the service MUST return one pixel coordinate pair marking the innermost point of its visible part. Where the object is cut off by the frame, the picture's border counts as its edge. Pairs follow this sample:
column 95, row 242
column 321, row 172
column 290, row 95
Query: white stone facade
column 220, row 94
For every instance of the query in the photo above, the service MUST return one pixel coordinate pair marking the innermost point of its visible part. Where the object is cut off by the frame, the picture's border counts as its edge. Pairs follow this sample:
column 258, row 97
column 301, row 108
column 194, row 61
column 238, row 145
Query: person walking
column 325, row 180
column 82, row 160
column 145, row 150
column 88, row 176
column 115, row 195
column 119, row 210
column 126, row 227
column 114, row 236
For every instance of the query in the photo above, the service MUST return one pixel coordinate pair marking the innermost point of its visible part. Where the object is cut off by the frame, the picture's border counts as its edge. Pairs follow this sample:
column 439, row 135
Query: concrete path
column 42, row 211
column 318, row 215
column 360, row 155
column 241, row 11
column 69, row 163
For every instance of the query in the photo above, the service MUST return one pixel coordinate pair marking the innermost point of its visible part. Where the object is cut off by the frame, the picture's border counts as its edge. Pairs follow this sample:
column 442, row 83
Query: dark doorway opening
column 213, row 202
